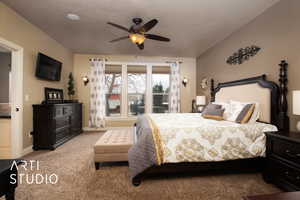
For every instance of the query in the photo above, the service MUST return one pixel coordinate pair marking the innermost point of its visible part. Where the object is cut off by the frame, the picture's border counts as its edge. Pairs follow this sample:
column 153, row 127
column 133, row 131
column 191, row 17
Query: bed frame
column 278, row 117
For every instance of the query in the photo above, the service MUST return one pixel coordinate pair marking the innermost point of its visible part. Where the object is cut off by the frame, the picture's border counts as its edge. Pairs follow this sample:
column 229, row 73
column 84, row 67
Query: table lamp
column 201, row 101
column 296, row 105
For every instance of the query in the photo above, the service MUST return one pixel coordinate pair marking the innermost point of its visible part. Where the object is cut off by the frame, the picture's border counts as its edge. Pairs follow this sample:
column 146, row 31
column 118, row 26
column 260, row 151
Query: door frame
column 16, row 97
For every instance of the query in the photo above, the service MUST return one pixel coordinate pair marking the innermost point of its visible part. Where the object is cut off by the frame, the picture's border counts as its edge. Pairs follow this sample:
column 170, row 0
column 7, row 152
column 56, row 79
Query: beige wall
column 277, row 32
column 19, row 31
column 81, row 68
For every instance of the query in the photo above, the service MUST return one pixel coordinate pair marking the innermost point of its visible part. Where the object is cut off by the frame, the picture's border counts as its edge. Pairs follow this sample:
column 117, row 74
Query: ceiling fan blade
column 118, row 26
column 118, row 39
column 149, row 25
column 141, row 46
column 157, row 37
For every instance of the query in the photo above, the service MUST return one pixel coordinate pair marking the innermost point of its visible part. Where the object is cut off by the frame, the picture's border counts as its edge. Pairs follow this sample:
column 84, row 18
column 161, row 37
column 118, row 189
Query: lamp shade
column 201, row 100
column 296, row 102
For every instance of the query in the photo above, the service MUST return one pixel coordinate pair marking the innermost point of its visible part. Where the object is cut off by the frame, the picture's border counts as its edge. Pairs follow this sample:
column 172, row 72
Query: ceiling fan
column 138, row 32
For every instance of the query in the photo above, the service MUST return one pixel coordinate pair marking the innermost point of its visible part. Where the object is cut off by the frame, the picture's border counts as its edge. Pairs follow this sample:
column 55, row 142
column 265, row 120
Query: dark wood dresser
column 55, row 124
column 283, row 160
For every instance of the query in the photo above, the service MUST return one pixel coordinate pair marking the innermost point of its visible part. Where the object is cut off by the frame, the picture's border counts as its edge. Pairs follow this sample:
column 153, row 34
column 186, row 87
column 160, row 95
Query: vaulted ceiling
column 192, row 25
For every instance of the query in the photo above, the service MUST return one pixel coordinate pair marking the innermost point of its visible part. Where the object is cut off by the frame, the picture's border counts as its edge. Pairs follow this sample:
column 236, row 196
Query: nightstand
column 283, row 160
column 278, row 196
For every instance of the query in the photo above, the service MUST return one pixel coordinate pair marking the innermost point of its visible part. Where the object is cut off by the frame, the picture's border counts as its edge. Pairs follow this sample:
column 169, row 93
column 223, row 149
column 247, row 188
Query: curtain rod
column 180, row 62
column 169, row 62
column 98, row 59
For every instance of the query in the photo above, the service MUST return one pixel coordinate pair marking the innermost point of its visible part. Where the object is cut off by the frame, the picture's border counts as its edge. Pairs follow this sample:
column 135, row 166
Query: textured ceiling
column 192, row 25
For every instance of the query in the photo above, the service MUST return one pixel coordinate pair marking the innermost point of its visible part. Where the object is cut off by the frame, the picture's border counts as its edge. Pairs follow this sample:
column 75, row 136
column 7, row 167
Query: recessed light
column 72, row 16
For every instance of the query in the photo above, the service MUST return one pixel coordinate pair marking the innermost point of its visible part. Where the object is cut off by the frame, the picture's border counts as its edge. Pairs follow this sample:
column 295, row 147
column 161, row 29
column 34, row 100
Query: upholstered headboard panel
column 248, row 93
column 256, row 89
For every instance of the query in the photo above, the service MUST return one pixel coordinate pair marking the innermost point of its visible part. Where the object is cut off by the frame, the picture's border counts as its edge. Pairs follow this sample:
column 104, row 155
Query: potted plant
column 71, row 89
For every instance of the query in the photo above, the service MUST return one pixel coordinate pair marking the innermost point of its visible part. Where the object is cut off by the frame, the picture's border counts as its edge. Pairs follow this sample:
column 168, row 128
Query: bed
column 179, row 143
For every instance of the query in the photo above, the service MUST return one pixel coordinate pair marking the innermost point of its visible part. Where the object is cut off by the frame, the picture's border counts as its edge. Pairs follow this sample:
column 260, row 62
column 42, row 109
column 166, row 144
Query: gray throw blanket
column 142, row 155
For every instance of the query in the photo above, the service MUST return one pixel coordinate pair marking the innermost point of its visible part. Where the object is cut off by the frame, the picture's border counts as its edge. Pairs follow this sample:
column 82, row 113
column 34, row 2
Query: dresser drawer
column 61, row 122
column 284, row 174
column 286, row 149
column 61, row 134
column 60, row 111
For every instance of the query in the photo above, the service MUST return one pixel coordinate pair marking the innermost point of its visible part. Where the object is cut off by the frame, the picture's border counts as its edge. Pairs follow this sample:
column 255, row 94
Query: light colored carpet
column 73, row 163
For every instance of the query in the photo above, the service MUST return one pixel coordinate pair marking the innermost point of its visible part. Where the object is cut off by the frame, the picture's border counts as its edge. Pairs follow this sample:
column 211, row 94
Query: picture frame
column 53, row 95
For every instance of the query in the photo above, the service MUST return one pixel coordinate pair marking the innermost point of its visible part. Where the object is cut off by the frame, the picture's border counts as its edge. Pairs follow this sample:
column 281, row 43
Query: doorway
column 12, row 115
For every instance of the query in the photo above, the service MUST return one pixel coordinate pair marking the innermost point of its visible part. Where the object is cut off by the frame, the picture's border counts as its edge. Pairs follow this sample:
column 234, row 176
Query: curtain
column 175, row 88
column 97, row 93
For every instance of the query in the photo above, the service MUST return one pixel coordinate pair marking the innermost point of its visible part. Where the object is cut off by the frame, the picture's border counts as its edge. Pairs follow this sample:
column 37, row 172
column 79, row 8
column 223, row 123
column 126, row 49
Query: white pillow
column 237, row 106
column 235, row 110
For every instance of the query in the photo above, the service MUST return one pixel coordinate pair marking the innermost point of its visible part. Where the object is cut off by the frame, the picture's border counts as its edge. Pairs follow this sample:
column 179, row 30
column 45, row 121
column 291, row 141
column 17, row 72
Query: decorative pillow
column 212, row 106
column 227, row 108
column 245, row 114
column 211, row 112
column 256, row 113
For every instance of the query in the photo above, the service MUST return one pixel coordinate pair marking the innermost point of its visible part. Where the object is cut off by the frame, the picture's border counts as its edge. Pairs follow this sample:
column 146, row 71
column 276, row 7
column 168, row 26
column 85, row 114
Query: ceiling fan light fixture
column 137, row 38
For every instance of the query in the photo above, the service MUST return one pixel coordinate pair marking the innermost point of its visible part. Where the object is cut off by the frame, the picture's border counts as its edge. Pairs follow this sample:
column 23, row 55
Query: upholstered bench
column 113, row 146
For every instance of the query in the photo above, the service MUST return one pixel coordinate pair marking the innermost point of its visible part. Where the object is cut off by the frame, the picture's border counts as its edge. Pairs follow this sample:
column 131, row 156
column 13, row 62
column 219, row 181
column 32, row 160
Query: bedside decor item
column 53, row 95
column 85, row 80
column 185, row 81
column 242, row 55
column 204, row 83
column 71, row 90
column 200, row 102
column 296, row 105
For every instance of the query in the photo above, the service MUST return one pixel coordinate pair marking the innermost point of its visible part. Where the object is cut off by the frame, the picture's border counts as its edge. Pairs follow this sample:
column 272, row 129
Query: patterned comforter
column 187, row 137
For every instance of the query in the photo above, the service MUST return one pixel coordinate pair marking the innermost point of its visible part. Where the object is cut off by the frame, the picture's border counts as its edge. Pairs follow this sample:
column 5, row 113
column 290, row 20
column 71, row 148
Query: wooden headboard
column 270, row 96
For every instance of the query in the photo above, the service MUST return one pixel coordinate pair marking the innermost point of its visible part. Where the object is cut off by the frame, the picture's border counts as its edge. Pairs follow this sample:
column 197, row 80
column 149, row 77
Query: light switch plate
column 26, row 97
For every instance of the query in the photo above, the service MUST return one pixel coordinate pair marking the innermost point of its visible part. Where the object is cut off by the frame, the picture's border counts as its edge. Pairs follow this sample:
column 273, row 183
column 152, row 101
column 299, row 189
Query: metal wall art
column 242, row 55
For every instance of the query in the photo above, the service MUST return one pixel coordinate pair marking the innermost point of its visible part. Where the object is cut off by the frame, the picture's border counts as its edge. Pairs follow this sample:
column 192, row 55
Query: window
column 134, row 89
column 113, row 80
column 160, row 89
column 136, row 81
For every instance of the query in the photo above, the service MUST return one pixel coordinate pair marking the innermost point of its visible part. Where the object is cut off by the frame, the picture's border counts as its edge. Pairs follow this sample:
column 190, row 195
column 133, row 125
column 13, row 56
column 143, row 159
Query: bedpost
column 212, row 90
column 283, row 119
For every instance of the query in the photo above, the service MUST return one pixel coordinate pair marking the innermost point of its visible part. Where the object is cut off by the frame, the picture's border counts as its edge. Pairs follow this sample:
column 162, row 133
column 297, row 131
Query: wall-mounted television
column 48, row 68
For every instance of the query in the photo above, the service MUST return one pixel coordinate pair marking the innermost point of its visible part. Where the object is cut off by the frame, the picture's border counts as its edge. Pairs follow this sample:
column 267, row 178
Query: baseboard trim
column 5, row 153
column 88, row 129
column 27, row 150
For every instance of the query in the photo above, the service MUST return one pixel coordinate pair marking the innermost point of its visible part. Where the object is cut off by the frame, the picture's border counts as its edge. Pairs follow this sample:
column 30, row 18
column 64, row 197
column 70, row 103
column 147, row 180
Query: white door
column 16, row 97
